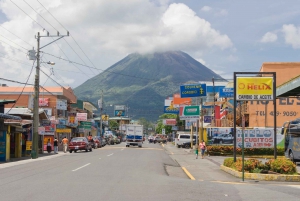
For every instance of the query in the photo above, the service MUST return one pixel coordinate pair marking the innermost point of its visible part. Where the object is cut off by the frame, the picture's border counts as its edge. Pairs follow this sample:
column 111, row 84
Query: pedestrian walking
column 55, row 146
column 65, row 144
column 49, row 146
column 202, row 147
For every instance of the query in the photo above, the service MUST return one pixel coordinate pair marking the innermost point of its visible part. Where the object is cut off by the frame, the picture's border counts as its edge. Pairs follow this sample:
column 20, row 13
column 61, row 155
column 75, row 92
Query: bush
column 228, row 162
column 215, row 150
column 283, row 166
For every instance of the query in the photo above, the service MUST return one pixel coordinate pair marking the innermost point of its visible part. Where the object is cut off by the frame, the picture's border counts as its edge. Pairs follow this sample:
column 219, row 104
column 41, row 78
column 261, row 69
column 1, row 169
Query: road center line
column 122, row 149
column 81, row 167
column 110, row 154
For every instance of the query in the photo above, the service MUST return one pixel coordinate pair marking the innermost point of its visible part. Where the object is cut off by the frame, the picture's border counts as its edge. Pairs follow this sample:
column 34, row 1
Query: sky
column 225, row 35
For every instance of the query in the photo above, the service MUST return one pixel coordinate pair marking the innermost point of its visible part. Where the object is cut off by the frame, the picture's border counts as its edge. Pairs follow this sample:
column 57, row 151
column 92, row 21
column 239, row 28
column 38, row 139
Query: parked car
column 182, row 138
column 187, row 145
column 97, row 142
column 223, row 138
column 80, row 143
column 159, row 140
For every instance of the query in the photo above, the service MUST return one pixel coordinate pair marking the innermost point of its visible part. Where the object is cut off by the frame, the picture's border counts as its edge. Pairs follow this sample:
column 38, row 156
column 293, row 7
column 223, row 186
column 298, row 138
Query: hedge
column 216, row 150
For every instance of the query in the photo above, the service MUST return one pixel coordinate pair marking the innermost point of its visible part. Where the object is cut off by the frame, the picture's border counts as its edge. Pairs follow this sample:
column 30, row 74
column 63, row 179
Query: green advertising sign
column 189, row 112
column 86, row 125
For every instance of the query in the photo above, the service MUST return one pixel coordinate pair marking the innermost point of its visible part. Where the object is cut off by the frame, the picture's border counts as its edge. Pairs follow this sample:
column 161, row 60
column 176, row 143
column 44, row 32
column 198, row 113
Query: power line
column 15, row 35
column 28, row 15
column 22, row 89
column 13, row 42
column 13, row 60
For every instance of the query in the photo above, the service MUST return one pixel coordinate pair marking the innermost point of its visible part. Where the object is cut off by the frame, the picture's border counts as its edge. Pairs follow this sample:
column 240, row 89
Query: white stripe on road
column 99, row 158
column 81, row 167
column 122, row 149
column 110, row 154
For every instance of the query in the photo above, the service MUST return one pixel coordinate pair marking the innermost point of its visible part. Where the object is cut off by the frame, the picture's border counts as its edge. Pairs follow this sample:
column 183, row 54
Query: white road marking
column 295, row 186
column 122, row 149
column 99, row 158
column 110, row 154
column 81, row 167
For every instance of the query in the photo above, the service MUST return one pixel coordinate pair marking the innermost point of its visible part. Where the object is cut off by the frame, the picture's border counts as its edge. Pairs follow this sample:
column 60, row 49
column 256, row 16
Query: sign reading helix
column 254, row 88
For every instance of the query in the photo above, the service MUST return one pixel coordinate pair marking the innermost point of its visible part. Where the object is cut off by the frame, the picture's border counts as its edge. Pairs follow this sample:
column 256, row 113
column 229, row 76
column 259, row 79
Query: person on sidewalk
column 49, row 146
column 65, row 144
column 55, row 146
column 202, row 147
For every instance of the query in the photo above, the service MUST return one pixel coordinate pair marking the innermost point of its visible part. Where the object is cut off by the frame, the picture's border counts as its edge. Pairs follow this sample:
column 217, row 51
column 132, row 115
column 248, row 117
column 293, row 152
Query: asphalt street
column 120, row 173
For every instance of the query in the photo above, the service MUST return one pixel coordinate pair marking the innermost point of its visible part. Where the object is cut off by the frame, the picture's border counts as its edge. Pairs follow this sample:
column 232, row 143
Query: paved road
column 120, row 173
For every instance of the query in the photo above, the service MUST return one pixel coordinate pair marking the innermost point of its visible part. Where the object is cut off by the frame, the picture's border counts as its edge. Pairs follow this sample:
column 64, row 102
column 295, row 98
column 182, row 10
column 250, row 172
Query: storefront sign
column 72, row 120
column 41, row 130
column 65, row 130
column 85, row 125
column 207, row 119
column 169, row 122
column 28, row 145
column 194, row 90
column 61, row 104
column 226, row 92
column 254, row 88
column 43, row 102
column 189, row 112
column 170, row 108
column 256, row 138
column 81, row 116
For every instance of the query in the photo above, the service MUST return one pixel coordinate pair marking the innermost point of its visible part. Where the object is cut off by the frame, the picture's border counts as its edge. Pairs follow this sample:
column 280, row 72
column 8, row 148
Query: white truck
column 134, row 135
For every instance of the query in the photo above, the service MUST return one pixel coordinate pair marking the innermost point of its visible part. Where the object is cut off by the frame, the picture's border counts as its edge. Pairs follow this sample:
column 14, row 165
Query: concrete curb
column 263, row 177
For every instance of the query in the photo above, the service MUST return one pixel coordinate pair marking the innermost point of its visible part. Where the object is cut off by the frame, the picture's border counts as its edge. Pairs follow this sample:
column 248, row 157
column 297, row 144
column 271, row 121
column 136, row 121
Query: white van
column 182, row 138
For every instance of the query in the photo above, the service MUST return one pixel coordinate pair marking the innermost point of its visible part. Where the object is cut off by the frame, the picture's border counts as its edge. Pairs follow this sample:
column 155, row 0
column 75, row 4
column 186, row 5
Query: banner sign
column 72, row 120
column 120, row 107
column 41, row 130
column 120, row 113
column 169, row 122
column 254, row 88
column 3, row 146
column 81, row 116
column 256, row 138
column 194, row 90
column 28, row 145
column 86, row 125
column 226, row 93
column 207, row 119
column 43, row 102
column 61, row 104
column 65, row 130
column 189, row 112
column 170, row 108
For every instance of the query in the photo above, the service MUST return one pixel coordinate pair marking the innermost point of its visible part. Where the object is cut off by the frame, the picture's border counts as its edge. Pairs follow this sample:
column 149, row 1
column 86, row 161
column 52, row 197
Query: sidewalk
column 28, row 159
column 207, row 169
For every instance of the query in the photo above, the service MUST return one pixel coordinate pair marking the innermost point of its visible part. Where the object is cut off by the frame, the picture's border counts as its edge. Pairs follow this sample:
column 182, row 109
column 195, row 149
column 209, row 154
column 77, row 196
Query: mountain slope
column 142, row 82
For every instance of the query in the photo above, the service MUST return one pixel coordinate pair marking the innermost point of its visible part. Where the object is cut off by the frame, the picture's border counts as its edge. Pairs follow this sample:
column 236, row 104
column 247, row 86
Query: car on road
column 80, row 143
column 222, row 139
column 150, row 139
column 159, row 140
column 182, row 138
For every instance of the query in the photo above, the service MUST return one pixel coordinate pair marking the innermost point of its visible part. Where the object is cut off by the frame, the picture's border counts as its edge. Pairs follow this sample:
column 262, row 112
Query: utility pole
column 35, row 137
column 213, row 81
column 100, row 104
column 201, row 120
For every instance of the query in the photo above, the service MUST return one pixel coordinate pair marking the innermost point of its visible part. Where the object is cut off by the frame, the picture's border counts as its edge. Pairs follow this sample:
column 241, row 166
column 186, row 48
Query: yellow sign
column 63, row 130
column 105, row 117
column 28, row 145
column 254, row 88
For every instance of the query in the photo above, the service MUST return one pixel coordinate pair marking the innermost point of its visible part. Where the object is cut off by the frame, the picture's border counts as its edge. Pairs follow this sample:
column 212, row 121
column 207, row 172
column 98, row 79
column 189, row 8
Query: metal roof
column 289, row 88
column 6, row 116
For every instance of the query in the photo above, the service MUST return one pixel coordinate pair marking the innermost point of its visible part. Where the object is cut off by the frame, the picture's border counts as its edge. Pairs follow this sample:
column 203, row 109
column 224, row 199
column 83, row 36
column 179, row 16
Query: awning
column 7, row 116
column 289, row 88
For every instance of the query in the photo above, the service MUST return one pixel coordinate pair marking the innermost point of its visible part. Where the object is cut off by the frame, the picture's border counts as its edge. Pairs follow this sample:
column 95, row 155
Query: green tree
column 113, row 125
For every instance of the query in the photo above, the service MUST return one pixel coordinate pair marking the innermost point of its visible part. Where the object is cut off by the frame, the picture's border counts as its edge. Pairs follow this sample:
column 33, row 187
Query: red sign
column 43, row 102
column 170, row 122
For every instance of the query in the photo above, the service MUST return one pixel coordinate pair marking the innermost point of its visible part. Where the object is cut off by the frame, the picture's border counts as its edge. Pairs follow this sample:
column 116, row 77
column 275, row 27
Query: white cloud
column 202, row 61
column 291, row 35
column 206, row 8
column 222, row 12
column 232, row 58
column 106, row 30
column 269, row 37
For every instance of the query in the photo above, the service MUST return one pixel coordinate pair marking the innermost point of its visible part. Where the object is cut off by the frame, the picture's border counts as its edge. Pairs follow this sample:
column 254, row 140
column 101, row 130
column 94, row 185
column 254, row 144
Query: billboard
column 226, row 92
column 120, row 113
column 81, row 116
column 181, row 101
column 169, row 122
column 254, row 88
column 189, row 112
column 194, row 90
column 170, row 108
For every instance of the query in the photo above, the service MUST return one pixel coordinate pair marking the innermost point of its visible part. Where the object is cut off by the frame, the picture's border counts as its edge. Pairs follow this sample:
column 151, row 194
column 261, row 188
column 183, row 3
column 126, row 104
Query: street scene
column 153, row 172
column 149, row 100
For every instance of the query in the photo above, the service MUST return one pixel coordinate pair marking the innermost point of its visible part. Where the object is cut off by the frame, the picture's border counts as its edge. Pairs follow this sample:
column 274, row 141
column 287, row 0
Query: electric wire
column 29, row 16
column 22, row 89
column 16, row 35
column 14, row 43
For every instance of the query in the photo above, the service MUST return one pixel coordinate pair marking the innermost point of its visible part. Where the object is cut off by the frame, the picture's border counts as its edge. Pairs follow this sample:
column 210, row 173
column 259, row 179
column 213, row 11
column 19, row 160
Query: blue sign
column 194, row 90
column 171, row 110
column 226, row 93
column 120, row 113
column 2, row 145
column 207, row 119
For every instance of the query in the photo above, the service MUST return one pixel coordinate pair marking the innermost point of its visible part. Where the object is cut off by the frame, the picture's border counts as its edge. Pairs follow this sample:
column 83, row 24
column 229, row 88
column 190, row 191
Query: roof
column 4, row 101
column 289, row 88
column 25, row 112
